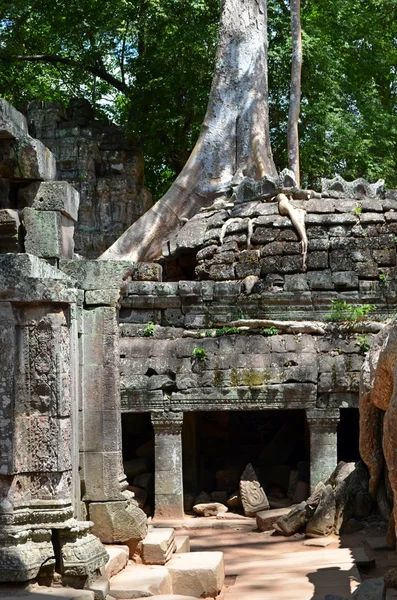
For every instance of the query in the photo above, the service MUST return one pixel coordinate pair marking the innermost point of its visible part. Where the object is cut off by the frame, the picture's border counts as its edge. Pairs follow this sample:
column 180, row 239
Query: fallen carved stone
column 253, row 496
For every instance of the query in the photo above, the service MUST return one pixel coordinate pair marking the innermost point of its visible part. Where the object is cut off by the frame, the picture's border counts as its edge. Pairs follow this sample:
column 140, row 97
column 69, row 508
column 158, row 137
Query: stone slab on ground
column 36, row 592
column 182, row 543
column 140, row 581
column 318, row 542
column 265, row 519
column 158, row 546
column 118, row 559
column 197, row 573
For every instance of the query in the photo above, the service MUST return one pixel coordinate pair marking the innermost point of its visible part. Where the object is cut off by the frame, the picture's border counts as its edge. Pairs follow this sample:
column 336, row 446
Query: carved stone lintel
column 167, row 423
column 323, row 420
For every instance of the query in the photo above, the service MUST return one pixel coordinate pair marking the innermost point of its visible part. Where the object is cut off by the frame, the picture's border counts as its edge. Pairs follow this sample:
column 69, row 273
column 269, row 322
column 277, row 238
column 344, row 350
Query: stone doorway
column 138, row 457
column 217, row 445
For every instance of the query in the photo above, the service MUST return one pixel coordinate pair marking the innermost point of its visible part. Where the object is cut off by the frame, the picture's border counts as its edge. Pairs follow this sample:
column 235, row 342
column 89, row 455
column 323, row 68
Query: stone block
column 265, row 519
column 158, row 546
column 9, row 231
column 182, row 543
column 30, row 159
column 51, row 195
column 48, row 234
column 97, row 274
column 102, row 297
column 100, row 587
column 118, row 559
column 13, row 124
column 147, row 272
column 141, row 581
column 116, row 522
column 345, row 279
column 197, row 573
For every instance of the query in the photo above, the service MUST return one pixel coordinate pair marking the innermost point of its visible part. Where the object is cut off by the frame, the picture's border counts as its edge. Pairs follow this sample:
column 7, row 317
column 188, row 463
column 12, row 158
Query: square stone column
column 168, row 465
column 116, row 515
column 323, row 426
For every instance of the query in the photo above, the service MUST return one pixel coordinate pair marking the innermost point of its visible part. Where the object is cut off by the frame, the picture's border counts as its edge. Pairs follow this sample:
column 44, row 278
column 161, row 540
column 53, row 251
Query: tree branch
column 94, row 70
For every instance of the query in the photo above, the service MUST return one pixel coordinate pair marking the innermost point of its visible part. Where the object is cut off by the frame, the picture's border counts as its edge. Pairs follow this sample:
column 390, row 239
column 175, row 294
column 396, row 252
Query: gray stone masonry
column 98, row 160
column 39, row 480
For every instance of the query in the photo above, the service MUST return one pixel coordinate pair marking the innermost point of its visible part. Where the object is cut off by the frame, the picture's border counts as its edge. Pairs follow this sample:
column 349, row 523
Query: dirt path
column 264, row 567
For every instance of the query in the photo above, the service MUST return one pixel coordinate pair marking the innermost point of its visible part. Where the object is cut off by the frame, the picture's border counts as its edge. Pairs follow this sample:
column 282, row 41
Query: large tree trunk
column 295, row 91
column 234, row 135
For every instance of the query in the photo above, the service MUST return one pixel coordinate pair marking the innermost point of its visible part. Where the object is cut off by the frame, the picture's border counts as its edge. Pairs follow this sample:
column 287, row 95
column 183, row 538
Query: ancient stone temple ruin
column 129, row 389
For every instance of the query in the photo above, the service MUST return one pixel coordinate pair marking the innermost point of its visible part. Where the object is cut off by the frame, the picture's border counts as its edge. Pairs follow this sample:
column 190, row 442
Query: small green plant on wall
column 362, row 342
column 149, row 329
column 270, row 331
column 343, row 311
column 199, row 353
column 357, row 210
column 383, row 278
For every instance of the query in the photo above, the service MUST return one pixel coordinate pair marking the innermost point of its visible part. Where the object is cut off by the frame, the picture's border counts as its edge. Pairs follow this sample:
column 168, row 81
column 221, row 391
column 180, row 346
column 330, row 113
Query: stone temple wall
column 246, row 328
column 97, row 159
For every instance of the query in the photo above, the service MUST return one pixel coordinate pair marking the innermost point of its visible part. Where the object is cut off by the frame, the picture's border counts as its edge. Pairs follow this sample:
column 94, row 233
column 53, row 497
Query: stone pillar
column 323, row 443
column 115, row 514
column 38, row 449
column 168, row 465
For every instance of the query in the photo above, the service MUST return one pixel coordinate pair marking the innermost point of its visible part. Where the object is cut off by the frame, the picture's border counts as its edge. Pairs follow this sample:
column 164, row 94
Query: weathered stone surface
column 51, row 195
column 100, row 163
column 371, row 589
column 197, row 573
column 265, row 519
column 118, row 559
column 117, row 522
column 49, row 234
column 322, row 522
column 253, row 496
column 158, row 546
column 12, row 123
column 182, row 543
column 97, row 274
column 10, row 231
column 294, row 520
column 210, row 509
column 140, row 581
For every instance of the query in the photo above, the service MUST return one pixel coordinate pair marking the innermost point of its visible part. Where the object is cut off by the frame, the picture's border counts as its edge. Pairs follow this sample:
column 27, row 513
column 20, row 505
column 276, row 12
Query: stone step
column 36, row 592
column 158, row 546
column 182, row 543
column 197, row 573
column 118, row 559
column 138, row 581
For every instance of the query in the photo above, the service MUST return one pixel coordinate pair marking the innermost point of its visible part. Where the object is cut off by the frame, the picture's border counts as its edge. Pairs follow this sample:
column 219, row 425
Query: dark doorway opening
column 217, row 446
column 138, row 457
column 348, row 435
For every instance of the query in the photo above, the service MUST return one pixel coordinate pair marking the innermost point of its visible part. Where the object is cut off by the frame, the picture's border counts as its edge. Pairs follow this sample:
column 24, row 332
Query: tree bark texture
column 234, row 135
column 295, row 91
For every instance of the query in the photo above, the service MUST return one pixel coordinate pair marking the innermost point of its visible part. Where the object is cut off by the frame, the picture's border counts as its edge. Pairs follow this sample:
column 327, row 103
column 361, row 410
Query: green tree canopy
column 148, row 65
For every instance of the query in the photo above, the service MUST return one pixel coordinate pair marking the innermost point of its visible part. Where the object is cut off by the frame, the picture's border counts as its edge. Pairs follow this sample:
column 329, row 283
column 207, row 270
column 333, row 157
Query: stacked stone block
column 97, row 159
